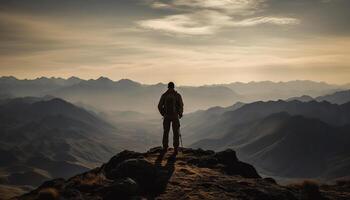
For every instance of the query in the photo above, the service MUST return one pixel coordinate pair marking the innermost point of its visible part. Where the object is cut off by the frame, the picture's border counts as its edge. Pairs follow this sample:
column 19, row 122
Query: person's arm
column 161, row 105
column 181, row 106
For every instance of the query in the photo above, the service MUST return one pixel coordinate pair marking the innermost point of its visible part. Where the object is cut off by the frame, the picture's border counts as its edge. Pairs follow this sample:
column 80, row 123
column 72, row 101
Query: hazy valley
column 57, row 128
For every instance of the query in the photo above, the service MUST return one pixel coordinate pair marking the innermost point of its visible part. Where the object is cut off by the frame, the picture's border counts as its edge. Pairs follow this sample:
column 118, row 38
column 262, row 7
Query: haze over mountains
column 288, row 139
column 122, row 95
column 53, row 127
column 50, row 138
column 128, row 95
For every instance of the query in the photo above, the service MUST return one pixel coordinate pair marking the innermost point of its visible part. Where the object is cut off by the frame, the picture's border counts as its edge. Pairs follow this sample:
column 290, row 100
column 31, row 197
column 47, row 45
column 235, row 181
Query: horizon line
column 139, row 82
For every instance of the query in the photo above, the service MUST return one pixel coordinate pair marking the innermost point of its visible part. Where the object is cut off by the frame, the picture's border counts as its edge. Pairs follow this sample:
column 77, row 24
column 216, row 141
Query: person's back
column 171, row 108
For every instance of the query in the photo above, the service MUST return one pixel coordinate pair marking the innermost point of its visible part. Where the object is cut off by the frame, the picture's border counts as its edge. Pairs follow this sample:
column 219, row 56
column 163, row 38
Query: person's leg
column 176, row 132
column 166, row 129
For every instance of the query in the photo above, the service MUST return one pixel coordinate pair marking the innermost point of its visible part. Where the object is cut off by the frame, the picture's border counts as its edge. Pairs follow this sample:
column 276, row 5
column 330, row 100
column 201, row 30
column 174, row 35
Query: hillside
column 43, row 139
column 206, row 124
column 340, row 97
column 289, row 146
column 285, row 139
column 192, row 174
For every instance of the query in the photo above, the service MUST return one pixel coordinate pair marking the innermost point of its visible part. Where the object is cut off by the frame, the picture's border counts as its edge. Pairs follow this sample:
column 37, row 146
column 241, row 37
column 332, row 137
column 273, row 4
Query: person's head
column 171, row 85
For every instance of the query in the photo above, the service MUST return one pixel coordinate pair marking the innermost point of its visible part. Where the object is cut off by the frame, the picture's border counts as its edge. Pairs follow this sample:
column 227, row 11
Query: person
column 171, row 108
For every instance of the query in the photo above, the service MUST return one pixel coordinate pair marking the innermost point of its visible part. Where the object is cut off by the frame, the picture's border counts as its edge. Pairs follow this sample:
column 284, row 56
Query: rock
column 140, row 170
column 310, row 191
column 55, row 183
column 227, row 157
column 155, row 150
column 270, row 180
column 225, row 160
column 72, row 194
column 124, row 188
column 119, row 158
column 191, row 174
column 48, row 194
column 243, row 169
column 204, row 161
column 198, row 152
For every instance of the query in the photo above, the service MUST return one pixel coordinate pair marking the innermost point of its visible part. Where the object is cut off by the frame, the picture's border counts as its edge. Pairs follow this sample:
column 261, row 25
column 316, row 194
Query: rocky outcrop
column 191, row 174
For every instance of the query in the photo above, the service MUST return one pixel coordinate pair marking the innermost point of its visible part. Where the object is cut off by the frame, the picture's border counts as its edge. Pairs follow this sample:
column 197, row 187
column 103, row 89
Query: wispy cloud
column 208, row 22
column 242, row 7
column 199, row 23
column 266, row 20
column 206, row 17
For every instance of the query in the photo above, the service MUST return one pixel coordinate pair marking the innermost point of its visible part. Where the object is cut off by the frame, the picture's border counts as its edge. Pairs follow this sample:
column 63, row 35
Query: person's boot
column 165, row 149
column 176, row 150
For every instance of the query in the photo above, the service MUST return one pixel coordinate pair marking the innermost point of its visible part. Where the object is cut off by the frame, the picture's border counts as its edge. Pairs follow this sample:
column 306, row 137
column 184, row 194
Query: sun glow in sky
column 192, row 42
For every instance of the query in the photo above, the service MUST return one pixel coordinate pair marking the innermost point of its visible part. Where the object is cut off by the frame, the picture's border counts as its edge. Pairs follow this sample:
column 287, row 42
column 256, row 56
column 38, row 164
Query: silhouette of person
column 171, row 108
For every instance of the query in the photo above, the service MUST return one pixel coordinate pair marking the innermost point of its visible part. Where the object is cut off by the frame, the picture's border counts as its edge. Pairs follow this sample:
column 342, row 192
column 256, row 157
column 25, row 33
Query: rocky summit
column 191, row 174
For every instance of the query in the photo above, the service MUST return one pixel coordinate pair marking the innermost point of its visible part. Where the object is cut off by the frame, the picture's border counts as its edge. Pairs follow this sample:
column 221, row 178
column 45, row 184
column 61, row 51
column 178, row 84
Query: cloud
column 266, row 20
column 200, row 23
column 207, row 17
column 207, row 22
column 177, row 24
column 243, row 7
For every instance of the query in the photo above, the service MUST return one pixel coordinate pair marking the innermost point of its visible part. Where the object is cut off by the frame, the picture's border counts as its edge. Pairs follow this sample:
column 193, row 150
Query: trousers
column 175, row 122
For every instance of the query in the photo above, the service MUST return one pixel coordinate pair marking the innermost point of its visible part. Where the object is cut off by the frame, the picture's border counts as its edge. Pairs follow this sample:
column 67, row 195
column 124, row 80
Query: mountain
column 47, row 138
column 289, row 146
column 36, row 87
column 123, row 95
column 340, row 97
column 219, row 125
column 127, row 95
column 192, row 174
column 268, row 90
column 265, row 134
column 195, row 124
column 330, row 113
column 304, row 98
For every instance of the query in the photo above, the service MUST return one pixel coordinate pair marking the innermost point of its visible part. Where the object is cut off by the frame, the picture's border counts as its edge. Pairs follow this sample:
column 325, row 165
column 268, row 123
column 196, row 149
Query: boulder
column 123, row 188
column 117, row 159
column 227, row 157
column 139, row 169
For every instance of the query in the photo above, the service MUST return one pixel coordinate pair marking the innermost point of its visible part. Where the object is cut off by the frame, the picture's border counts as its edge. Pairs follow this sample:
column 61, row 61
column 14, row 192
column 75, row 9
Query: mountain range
column 44, row 138
column 122, row 95
column 268, row 90
column 127, row 95
column 54, row 127
column 287, row 139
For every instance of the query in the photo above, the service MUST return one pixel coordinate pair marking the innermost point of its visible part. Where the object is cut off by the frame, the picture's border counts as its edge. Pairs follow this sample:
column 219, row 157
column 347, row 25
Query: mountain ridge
column 123, row 94
column 267, row 134
column 47, row 138
column 191, row 174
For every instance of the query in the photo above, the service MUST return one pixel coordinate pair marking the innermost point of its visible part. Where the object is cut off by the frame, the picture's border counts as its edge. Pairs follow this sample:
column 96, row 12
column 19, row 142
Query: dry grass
column 7, row 192
column 343, row 182
column 48, row 194
column 89, row 179
column 310, row 190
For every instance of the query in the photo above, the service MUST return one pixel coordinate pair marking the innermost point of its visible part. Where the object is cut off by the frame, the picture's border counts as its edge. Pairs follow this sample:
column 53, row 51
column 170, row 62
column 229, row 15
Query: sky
column 191, row 42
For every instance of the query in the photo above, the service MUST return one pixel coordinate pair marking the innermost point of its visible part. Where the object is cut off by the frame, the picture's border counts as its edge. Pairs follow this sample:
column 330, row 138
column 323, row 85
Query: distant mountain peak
column 11, row 78
column 74, row 78
column 104, row 79
column 128, row 82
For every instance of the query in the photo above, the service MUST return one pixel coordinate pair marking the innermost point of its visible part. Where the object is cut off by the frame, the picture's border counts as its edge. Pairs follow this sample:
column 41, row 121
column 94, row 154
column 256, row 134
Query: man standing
column 171, row 108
